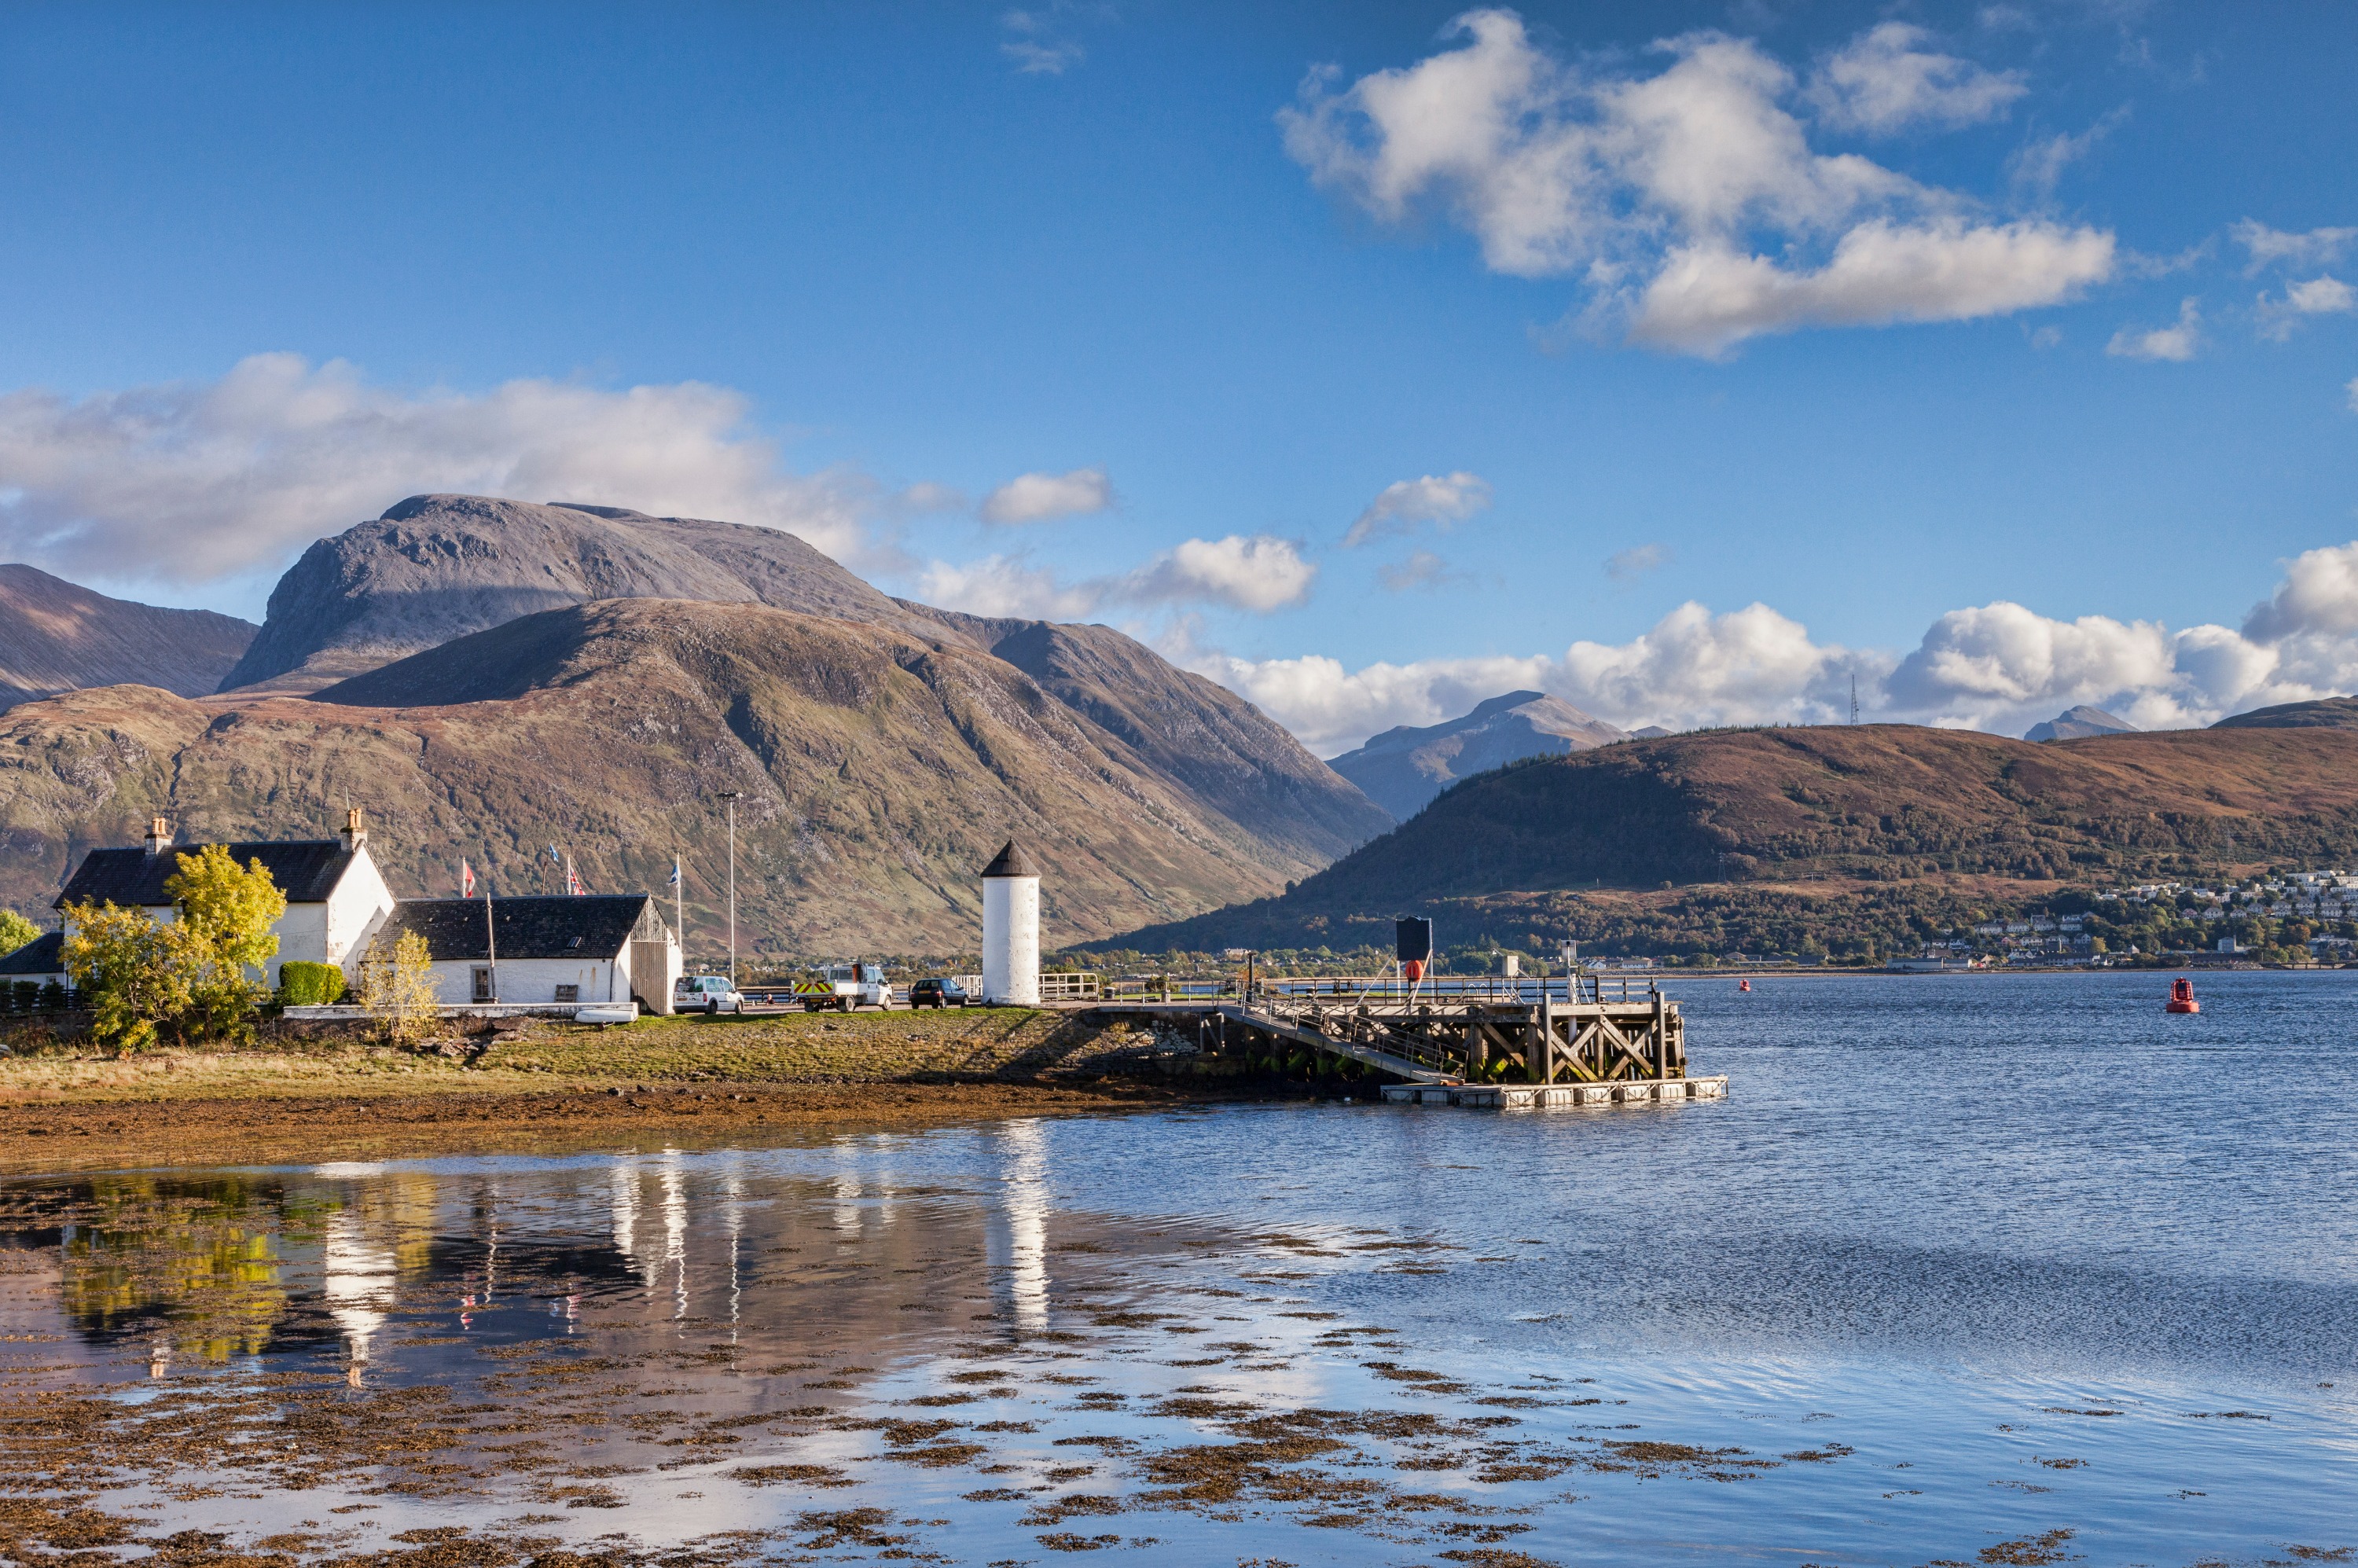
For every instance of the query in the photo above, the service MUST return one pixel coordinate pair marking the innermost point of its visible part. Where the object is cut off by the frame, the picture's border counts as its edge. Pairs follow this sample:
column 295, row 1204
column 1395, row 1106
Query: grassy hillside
column 1774, row 838
column 878, row 772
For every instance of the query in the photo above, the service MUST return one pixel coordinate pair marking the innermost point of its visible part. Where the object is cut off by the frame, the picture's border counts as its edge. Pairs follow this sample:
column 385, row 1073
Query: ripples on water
column 1964, row 1264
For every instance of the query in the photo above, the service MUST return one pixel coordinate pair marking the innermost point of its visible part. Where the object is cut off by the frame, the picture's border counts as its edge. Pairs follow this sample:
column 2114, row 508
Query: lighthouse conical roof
column 1011, row 861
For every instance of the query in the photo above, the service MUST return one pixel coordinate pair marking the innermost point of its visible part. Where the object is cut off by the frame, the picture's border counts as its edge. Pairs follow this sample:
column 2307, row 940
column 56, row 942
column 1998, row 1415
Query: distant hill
column 1404, row 768
column 56, row 637
column 879, row 773
column 2079, row 723
column 1758, row 817
column 2328, row 713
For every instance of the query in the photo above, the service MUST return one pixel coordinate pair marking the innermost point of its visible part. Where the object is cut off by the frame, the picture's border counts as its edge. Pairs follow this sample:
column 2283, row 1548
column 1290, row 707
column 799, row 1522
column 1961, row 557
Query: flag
column 554, row 855
column 466, row 879
column 675, row 872
column 573, row 878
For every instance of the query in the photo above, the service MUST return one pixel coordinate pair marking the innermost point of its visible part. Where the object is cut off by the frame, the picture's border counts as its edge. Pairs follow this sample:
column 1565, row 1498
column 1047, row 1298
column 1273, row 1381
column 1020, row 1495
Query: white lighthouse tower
column 1010, row 928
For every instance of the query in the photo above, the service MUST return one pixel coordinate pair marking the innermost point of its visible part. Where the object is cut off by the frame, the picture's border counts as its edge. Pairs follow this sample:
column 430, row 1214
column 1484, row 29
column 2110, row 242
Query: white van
column 706, row 993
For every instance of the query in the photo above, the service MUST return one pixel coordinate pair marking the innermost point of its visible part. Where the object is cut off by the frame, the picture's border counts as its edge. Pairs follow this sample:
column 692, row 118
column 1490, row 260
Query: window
column 569, row 993
column 482, row 985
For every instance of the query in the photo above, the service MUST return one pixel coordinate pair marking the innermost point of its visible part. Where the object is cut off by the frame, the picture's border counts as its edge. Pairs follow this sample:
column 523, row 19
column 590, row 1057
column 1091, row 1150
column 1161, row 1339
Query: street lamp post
column 731, row 796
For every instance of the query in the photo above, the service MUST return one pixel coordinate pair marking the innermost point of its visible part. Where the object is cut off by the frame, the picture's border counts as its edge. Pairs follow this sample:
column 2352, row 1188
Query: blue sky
column 1933, row 392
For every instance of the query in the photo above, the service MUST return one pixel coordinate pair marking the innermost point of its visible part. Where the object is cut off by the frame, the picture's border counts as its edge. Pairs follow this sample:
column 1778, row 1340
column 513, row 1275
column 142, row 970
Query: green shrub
column 311, row 985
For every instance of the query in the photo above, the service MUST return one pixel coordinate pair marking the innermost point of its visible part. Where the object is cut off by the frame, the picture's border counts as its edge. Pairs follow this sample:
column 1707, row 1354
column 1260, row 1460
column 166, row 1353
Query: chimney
column 354, row 835
column 159, row 835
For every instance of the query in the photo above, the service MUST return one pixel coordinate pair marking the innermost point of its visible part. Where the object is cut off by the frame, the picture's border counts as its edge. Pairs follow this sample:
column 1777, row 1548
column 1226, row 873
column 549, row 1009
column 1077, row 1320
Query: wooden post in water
column 1541, row 1067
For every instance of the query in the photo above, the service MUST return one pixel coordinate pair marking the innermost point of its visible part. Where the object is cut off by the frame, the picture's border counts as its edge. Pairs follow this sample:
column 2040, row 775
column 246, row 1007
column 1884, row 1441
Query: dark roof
column 305, row 870
column 1012, row 862
column 537, row 927
column 41, row 956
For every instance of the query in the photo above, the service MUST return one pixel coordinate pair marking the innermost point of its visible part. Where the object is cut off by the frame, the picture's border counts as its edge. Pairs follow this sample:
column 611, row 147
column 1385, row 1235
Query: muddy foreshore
column 320, row 1092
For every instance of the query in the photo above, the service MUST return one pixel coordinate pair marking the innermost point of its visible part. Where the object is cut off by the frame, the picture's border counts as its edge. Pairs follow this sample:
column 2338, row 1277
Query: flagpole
column 490, row 941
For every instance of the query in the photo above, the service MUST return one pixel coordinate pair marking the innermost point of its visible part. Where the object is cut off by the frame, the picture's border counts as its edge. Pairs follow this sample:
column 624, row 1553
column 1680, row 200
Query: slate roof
column 1012, row 862
column 42, row 956
column 593, row 925
column 305, row 870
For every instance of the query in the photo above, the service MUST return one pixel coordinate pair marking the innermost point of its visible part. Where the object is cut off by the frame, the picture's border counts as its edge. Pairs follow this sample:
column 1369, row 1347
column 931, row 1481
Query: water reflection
column 1927, row 1323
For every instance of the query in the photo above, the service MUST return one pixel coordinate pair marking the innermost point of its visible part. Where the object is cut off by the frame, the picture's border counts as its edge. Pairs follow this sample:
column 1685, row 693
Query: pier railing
column 1578, row 1029
column 1587, row 986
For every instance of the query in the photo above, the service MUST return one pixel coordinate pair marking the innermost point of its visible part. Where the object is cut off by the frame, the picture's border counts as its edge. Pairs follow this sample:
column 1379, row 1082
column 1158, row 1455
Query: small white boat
column 619, row 1013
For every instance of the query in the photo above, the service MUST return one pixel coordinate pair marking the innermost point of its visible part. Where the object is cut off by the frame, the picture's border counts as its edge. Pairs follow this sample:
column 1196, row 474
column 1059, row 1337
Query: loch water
column 1984, row 1269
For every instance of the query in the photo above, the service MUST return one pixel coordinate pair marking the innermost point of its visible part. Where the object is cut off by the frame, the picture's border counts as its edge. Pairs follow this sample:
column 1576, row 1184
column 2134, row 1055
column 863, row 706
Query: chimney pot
column 159, row 835
column 354, row 835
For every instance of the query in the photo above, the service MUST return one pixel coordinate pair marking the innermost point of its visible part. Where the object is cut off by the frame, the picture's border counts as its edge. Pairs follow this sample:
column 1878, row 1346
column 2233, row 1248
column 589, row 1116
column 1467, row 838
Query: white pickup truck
column 706, row 993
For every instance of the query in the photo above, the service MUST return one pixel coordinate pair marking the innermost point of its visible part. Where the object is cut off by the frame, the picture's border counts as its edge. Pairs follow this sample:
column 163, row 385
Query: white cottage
column 544, row 950
column 336, row 899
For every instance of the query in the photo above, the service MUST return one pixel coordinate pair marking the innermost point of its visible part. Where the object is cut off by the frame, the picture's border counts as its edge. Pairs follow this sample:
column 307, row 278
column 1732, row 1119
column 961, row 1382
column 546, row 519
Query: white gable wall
column 355, row 908
column 534, row 979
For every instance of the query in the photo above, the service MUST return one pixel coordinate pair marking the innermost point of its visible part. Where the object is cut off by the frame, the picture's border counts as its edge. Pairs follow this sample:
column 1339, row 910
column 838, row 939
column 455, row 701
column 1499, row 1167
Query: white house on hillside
column 336, row 901
column 544, row 949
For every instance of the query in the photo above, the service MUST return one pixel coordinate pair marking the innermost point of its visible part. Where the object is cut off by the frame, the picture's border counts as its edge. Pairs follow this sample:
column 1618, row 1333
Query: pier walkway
column 1489, row 1043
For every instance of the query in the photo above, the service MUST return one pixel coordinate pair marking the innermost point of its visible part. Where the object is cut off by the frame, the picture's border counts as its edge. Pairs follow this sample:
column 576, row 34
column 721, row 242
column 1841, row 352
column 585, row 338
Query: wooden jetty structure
column 1505, row 1045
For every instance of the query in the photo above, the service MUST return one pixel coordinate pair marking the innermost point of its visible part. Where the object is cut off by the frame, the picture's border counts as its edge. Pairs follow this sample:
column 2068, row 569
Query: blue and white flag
column 555, row 856
column 675, row 872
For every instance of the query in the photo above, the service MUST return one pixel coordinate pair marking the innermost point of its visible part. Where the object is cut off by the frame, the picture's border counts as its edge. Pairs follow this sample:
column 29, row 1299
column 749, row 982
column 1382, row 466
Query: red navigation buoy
column 2181, row 997
column 1744, row 985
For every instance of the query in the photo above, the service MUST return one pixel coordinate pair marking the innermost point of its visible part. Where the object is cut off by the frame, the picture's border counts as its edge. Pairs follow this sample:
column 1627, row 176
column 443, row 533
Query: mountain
column 2328, row 713
column 1762, row 819
column 879, row 770
column 1404, row 768
column 2079, row 724
column 1227, row 755
column 55, row 636
column 439, row 567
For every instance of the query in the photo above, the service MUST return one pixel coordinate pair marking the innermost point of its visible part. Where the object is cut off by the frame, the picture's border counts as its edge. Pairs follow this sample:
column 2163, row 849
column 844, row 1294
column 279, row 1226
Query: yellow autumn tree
column 132, row 973
column 397, row 988
column 227, row 910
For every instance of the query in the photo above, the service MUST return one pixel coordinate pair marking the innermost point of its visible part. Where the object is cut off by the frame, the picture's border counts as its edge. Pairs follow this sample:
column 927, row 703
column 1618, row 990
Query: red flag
column 466, row 879
column 573, row 878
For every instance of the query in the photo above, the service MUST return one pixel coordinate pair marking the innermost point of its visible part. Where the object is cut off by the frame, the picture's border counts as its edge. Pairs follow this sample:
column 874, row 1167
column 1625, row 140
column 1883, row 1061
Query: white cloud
column 998, row 586
column 1039, row 49
column 2175, row 342
column 1752, row 665
column 2319, row 595
column 1690, row 201
column 2000, row 667
column 2037, row 166
column 1629, row 565
column 2276, row 247
column 1422, row 570
column 1043, row 497
column 1885, row 82
column 1706, row 299
column 1259, row 574
column 2322, row 295
column 1404, row 504
column 192, row 483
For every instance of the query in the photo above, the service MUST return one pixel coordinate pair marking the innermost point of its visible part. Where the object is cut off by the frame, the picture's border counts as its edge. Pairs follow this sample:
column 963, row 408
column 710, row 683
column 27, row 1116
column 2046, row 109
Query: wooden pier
column 1531, row 1046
